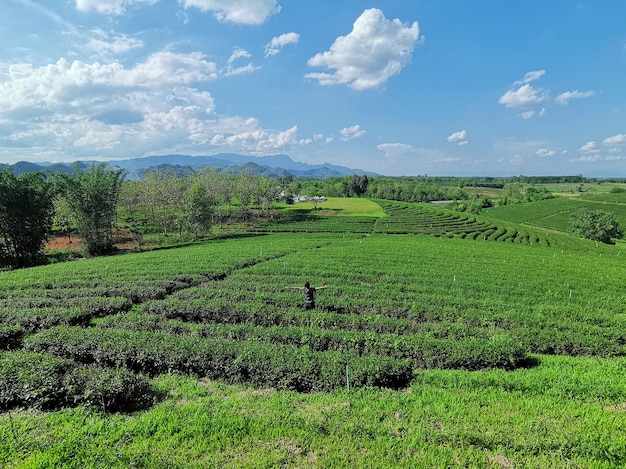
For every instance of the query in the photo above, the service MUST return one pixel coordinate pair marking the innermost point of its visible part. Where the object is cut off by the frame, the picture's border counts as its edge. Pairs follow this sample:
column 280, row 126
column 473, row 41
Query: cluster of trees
column 596, row 225
column 93, row 202
column 26, row 211
column 30, row 203
column 168, row 203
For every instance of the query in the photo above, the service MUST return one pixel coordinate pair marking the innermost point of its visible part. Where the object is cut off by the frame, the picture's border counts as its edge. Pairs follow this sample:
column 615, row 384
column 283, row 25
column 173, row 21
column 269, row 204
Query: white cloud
column 375, row 50
column 109, row 7
column 590, row 158
column 459, row 137
column 350, row 133
column 236, row 55
column 105, row 44
column 525, row 95
column 563, row 98
column 545, row 153
column 615, row 139
column 531, row 76
column 589, row 147
column 278, row 42
column 68, row 83
column 395, row 150
column 250, row 12
column 531, row 114
column 260, row 141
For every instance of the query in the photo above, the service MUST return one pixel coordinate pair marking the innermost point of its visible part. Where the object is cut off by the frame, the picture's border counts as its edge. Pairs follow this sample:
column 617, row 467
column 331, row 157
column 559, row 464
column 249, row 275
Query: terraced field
column 410, row 218
column 555, row 214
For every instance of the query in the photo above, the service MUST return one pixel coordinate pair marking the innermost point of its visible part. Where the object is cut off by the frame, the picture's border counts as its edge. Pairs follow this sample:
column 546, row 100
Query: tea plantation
column 443, row 340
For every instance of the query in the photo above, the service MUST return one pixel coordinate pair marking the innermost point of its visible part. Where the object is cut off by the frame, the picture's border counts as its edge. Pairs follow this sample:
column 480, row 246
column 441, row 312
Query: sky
column 395, row 87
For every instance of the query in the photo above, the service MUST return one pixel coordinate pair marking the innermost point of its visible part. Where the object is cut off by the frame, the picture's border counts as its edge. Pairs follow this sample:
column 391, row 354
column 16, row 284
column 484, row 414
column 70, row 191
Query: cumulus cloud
column 249, row 12
column 523, row 96
column 545, row 153
column 563, row 98
column 63, row 82
column 375, row 50
column 589, row 147
column 458, row 137
column 260, row 141
column 109, row 7
column 95, row 110
column 615, row 139
column 278, row 42
column 350, row 133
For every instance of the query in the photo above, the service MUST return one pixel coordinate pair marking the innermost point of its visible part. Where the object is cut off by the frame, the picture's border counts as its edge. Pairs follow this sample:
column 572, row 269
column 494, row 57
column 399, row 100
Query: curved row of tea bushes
column 295, row 222
column 260, row 314
column 33, row 314
column 246, row 361
column 450, row 347
column 38, row 380
column 405, row 218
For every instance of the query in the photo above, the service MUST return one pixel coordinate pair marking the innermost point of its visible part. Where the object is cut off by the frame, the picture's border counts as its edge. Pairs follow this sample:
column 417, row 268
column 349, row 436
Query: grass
column 340, row 206
column 565, row 413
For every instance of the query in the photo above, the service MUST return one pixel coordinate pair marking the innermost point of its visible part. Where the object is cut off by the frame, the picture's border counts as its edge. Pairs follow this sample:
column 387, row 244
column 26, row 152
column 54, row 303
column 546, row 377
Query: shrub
column 111, row 390
column 31, row 380
column 11, row 337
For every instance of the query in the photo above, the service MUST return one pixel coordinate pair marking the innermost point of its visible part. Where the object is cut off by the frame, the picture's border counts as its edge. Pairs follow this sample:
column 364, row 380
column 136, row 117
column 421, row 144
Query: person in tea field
column 309, row 294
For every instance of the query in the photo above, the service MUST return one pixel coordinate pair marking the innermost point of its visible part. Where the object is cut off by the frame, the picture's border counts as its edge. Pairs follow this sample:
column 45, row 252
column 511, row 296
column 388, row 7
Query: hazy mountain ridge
column 229, row 163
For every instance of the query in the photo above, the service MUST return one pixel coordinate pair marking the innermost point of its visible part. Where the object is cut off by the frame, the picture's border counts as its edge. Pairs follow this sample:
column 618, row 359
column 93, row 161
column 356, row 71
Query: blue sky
column 411, row 87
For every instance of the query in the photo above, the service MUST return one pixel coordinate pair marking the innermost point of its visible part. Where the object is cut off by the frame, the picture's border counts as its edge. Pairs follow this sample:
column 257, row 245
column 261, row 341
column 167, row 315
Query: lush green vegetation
column 433, row 346
column 556, row 213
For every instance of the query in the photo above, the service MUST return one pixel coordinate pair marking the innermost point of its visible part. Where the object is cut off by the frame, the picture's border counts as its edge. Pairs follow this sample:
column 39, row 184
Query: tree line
column 91, row 203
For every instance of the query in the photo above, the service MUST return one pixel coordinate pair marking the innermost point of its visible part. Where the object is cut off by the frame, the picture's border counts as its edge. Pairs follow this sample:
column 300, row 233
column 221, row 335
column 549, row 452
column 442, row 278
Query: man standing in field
column 309, row 294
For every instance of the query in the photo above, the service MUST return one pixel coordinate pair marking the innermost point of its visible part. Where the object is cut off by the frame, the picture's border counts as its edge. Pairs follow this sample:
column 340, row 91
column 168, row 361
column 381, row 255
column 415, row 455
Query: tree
column 596, row 225
column 359, row 184
column 26, row 212
column 200, row 206
column 92, row 195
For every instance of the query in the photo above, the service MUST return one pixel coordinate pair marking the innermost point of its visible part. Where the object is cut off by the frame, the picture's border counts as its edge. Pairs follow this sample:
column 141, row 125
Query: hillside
column 427, row 349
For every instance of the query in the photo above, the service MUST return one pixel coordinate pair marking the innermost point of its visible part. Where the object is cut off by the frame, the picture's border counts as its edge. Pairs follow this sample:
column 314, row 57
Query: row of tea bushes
column 35, row 313
column 38, row 380
column 246, row 361
column 435, row 347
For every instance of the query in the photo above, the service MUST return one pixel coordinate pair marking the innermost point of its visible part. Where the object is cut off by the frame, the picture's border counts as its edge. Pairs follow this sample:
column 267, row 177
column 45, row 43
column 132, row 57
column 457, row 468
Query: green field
column 555, row 213
column 432, row 347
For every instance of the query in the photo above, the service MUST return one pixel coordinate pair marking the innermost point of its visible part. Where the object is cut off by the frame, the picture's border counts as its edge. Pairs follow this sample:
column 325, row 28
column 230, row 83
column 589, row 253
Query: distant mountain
column 276, row 166
column 283, row 162
column 22, row 167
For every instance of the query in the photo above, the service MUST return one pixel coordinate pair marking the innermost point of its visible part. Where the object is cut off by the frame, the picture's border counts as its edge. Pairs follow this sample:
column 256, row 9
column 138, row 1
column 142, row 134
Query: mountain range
column 230, row 163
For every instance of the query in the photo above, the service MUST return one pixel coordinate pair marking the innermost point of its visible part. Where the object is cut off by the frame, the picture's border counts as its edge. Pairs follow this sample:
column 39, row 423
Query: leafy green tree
column 26, row 213
column 92, row 196
column 596, row 225
column 359, row 184
column 200, row 207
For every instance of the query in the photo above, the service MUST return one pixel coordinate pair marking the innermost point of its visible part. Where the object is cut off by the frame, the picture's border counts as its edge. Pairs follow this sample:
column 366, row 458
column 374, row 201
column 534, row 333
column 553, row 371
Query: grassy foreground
column 567, row 412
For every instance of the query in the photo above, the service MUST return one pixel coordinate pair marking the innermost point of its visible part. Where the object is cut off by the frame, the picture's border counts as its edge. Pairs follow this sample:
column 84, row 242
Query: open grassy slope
column 555, row 214
column 441, row 350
